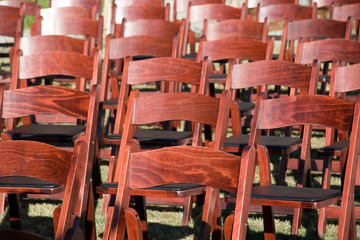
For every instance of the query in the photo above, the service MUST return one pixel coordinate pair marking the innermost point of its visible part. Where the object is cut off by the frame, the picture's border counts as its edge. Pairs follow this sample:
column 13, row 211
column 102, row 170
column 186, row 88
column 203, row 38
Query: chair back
column 163, row 69
column 117, row 49
column 235, row 28
column 211, row 11
column 309, row 30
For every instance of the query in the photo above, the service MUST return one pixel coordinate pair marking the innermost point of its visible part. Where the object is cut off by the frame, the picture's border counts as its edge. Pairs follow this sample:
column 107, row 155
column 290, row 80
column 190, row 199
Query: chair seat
column 217, row 78
column 109, row 104
column 168, row 190
column 23, row 184
column 245, row 106
column 4, row 74
column 275, row 194
column 331, row 149
column 48, row 133
column 271, row 142
column 150, row 137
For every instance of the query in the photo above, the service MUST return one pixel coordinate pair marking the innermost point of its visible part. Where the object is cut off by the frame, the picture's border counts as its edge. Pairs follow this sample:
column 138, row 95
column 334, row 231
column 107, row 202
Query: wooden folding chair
column 197, row 14
column 263, row 74
column 309, row 30
column 197, row 108
column 276, row 15
column 233, row 38
column 69, row 21
column 306, row 110
column 342, row 13
column 52, row 99
column 116, row 49
column 345, row 81
column 50, row 168
column 328, row 50
column 151, row 27
column 242, row 49
column 164, row 69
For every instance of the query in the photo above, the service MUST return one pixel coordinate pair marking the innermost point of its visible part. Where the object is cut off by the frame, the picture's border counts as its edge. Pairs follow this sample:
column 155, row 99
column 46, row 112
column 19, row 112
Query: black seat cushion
column 245, row 106
column 284, row 193
column 271, row 142
column 337, row 146
column 26, row 182
column 166, row 187
column 50, row 133
column 151, row 137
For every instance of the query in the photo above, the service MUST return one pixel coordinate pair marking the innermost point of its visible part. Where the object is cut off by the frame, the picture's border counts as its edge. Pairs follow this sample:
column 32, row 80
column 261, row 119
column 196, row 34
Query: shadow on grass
column 36, row 216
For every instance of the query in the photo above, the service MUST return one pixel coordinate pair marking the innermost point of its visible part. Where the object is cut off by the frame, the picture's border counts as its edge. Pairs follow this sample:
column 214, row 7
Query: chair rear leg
column 269, row 223
column 14, row 210
column 187, row 210
column 283, row 168
column 322, row 222
column 90, row 216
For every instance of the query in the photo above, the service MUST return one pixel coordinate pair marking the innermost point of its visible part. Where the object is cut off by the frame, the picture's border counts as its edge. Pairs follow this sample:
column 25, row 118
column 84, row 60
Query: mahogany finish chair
column 52, row 170
column 345, row 80
column 306, row 110
column 276, row 15
column 329, row 50
column 117, row 49
column 341, row 13
column 151, row 27
column 69, row 21
column 263, row 74
column 329, row 4
column 162, row 69
column 214, row 43
column 200, row 13
column 51, row 99
column 11, row 21
column 136, row 12
column 241, row 49
column 55, row 63
column 192, row 107
column 309, row 30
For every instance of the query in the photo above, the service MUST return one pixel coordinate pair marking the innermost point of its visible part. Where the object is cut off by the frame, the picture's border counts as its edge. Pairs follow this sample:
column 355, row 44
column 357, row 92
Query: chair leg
column 56, row 216
column 2, row 202
column 352, row 229
column 296, row 221
column 269, row 223
column 283, row 168
column 109, row 213
column 140, row 208
column 14, row 210
column 90, row 217
column 109, row 179
column 187, row 210
column 322, row 222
